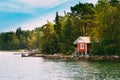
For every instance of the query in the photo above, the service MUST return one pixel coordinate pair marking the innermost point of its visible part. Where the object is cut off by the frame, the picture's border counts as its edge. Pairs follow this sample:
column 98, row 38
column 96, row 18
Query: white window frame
column 82, row 45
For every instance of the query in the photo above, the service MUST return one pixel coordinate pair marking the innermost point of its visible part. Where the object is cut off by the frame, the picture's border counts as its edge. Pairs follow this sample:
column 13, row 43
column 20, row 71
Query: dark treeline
column 18, row 40
column 101, row 22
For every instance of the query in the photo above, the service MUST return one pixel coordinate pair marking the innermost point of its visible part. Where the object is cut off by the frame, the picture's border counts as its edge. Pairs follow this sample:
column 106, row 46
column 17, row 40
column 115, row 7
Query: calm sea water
column 14, row 67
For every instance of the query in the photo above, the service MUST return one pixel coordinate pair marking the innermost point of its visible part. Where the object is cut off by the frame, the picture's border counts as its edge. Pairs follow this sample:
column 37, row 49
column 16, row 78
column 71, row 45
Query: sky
column 29, row 14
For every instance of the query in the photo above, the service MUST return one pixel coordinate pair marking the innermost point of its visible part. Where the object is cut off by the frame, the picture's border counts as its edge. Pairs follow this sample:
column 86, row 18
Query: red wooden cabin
column 82, row 45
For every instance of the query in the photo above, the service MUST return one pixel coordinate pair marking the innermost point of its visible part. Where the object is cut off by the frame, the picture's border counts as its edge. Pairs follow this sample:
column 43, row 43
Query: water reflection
column 13, row 67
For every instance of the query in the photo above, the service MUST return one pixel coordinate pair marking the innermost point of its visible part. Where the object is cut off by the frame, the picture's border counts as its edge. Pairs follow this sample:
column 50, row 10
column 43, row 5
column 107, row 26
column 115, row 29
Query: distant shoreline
column 8, row 51
column 69, row 57
column 20, row 50
column 66, row 57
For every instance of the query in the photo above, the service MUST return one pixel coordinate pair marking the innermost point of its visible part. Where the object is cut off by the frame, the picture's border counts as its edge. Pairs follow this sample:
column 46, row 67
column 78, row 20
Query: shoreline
column 66, row 57
column 20, row 50
column 69, row 57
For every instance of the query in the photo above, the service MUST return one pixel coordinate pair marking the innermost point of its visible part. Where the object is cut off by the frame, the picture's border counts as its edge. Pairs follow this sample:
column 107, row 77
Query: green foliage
column 101, row 22
column 67, row 36
column 18, row 40
column 108, row 30
column 57, row 26
column 8, row 41
column 86, row 15
column 49, row 40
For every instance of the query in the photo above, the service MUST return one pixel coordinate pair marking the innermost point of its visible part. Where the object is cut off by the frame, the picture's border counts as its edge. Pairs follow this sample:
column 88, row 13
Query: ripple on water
column 14, row 67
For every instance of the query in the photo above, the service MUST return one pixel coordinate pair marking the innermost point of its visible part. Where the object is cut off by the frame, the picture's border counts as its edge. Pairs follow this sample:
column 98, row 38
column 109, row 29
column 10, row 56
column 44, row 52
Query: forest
column 100, row 21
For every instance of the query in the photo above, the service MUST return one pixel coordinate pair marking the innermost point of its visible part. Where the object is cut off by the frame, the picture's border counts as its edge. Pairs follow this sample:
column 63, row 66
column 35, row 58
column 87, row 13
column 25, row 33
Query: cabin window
column 82, row 46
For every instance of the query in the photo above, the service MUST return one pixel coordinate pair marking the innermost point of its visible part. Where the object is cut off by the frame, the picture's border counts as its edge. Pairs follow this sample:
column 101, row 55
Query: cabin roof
column 82, row 39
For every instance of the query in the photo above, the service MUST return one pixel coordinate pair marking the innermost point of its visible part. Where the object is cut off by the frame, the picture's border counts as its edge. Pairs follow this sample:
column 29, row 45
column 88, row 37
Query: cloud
column 10, row 7
column 40, row 3
column 91, row 1
column 38, row 22
column 28, row 6
column 40, row 10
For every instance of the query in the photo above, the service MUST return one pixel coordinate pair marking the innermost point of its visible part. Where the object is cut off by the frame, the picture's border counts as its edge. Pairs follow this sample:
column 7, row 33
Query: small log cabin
column 82, row 45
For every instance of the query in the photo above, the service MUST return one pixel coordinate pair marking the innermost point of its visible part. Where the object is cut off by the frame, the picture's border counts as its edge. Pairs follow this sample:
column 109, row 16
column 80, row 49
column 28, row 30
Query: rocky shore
column 60, row 56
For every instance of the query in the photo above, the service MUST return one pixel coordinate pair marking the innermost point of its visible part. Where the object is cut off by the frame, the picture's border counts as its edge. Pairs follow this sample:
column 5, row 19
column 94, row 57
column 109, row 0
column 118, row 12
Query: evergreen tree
column 49, row 45
column 58, row 31
column 108, row 31
column 86, row 14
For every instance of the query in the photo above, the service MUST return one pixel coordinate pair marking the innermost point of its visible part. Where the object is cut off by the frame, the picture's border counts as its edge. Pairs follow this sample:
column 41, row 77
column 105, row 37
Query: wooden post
column 86, row 49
